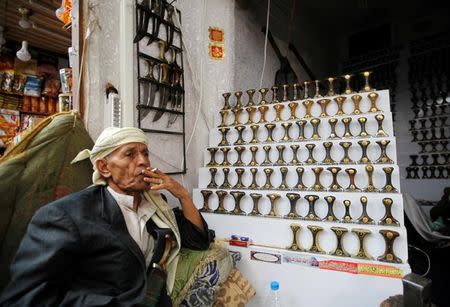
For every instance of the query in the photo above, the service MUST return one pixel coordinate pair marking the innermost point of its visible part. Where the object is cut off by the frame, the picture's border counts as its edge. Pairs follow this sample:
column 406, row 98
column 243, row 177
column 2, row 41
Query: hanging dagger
column 170, row 27
column 143, row 20
column 178, row 107
column 175, row 84
column 157, row 9
column 164, row 90
column 151, row 86
column 174, row 54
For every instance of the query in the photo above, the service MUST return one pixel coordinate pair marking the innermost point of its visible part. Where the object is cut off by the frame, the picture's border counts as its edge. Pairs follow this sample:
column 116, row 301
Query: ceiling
column 47, row 32
column 333, row 22
column 335, row 17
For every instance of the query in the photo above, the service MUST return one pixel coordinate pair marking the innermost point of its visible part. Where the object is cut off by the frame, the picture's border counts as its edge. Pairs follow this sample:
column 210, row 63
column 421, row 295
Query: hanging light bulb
column 24, row 21
column 23, row 53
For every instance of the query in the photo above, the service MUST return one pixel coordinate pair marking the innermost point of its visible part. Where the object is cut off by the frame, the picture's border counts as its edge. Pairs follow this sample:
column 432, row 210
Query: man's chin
column 141, row 187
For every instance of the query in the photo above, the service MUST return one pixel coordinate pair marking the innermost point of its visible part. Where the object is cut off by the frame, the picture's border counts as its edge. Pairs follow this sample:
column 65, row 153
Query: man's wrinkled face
column 125, row 166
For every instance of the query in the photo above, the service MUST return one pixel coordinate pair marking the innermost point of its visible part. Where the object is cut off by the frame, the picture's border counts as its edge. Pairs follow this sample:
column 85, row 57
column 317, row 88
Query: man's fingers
column 158, row 179
column 154, row 180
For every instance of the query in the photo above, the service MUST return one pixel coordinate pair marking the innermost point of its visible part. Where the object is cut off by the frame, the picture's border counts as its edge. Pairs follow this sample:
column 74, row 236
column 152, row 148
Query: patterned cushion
column 205, row 287
column 199, row 276
column 236, row 291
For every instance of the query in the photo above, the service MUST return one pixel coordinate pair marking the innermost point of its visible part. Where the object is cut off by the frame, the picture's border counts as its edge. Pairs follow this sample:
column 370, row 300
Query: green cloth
column 35, row 172
column 192, row 262
column 189, row 260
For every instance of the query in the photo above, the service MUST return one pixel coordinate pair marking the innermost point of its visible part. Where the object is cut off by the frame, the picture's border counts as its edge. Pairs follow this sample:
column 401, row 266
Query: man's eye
column 128, row 153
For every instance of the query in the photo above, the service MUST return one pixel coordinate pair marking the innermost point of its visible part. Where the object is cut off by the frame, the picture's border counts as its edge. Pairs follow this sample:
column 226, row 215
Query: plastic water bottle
column 273, row 298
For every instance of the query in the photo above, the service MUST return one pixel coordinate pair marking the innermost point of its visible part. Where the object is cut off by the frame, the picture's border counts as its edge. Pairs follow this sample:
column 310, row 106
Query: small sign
column 216, row 35
column 379, row 270
column 216, row 43
column 298, row 259
column 265, row 257
column 341, row 266
column 216, row 51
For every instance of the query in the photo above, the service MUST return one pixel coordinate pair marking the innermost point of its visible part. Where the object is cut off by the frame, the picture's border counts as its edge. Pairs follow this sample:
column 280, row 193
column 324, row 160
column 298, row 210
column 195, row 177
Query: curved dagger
column 149, row 100
column 144, row 18
column 176, row 97
column 165, row 92
column 158, row 9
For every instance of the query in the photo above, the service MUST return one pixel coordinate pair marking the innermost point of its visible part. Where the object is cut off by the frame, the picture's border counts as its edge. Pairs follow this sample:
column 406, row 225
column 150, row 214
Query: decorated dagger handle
column 165, row 73
column 162, row 50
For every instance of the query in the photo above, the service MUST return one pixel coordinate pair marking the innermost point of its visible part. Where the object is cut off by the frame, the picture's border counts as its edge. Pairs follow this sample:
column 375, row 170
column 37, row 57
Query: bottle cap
column 274, row 285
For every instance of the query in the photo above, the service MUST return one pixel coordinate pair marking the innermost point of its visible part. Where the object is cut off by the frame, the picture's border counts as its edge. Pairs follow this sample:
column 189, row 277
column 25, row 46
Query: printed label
column 265, row 257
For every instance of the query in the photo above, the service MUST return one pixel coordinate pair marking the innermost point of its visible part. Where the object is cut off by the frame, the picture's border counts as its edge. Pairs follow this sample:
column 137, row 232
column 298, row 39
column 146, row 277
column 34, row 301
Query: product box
column 65, row 102
column 9, row 125
column 33, row 86
column 65, row 74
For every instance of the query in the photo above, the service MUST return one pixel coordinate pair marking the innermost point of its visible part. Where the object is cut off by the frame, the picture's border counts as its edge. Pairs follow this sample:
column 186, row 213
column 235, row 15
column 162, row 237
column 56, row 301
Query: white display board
column 311, row 274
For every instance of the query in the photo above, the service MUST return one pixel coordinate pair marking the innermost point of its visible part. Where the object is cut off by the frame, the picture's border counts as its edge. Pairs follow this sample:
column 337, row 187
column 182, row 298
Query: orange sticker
column 216, row 51
column 216, row 35
column 362, row 268
column 380, row 270
column 341, row 266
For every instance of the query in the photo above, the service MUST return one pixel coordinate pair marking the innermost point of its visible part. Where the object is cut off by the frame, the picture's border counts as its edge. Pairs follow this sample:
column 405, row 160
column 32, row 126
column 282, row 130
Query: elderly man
column 102, row 246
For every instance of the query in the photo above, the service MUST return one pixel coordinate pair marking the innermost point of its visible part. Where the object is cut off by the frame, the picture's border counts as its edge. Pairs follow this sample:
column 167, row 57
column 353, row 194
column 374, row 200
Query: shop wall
column 101, row 59
column 249, row 58
column 313, row 38
column 249, row 54
column 239, row 70
column 404, row 29
column 205, row 78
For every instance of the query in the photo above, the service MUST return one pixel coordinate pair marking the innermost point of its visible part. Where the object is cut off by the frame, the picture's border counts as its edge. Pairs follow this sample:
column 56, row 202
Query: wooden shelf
column 11, row 94
column 35, row 113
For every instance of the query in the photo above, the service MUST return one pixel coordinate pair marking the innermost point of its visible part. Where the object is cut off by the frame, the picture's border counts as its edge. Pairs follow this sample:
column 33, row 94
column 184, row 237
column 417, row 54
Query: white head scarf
column 108, row 141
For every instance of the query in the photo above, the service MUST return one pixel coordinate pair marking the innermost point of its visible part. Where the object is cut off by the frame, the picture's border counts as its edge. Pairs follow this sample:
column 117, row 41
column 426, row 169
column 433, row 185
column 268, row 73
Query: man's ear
column 102, row 167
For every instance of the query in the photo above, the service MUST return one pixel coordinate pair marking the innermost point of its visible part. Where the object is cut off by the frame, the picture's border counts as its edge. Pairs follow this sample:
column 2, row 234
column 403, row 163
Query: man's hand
column 160, row 181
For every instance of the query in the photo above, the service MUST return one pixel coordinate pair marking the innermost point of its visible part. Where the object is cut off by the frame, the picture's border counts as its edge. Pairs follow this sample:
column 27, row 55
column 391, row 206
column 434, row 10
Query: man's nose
column 143, row 160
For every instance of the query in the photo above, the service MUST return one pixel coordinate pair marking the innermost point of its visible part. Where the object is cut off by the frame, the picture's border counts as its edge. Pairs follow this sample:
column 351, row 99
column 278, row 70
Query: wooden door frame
column 77, row 45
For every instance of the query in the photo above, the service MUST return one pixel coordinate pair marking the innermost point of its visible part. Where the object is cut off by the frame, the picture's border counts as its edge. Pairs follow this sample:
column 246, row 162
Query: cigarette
column 154, row 169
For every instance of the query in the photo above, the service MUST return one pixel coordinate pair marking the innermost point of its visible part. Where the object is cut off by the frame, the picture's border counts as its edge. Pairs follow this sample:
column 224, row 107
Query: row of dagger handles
column 317, row 186
column 437, row 159
column 432, row 134
column 428, row 86
column 428, row 172
column 389, row 237
column 308, row 104
column 302, row 126
column 433, row 88
column 294, row 148
column 274, row 211
column 433, row 110
column 427, row 123
column 387, row 220
column 434, row 146
column 296, row 87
